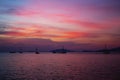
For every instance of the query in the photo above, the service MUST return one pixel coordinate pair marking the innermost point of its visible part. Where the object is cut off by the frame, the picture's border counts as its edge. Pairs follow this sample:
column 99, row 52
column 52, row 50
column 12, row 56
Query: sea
column 69, row 66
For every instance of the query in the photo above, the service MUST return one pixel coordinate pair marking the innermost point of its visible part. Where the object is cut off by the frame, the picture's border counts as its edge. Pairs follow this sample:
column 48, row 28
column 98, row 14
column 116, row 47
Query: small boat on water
column 106, row 51
column 62, row 50
column 12, row 52
column 20, row 51
column 37, row 52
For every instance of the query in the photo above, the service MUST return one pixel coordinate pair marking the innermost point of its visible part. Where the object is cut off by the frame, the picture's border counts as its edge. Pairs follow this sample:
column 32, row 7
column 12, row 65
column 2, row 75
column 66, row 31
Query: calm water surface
column 48, row 66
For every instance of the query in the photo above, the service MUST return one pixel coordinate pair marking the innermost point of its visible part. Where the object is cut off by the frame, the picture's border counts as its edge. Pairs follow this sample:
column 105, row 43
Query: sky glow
column 93, row 22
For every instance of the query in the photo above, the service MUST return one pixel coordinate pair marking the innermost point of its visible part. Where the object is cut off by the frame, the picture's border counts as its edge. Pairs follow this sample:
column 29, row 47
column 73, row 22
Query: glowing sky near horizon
column 78, row 21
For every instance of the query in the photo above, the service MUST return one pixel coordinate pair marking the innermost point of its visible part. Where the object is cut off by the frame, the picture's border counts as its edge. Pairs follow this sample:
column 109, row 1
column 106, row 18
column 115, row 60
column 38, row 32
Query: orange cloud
column 33, row 31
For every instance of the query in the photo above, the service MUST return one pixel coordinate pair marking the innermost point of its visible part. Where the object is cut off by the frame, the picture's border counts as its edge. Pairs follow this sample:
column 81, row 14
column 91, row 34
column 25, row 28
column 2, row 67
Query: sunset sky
column 49, row 24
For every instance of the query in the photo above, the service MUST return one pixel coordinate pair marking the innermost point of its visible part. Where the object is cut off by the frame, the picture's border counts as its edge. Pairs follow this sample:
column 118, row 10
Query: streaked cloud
column 77, row 21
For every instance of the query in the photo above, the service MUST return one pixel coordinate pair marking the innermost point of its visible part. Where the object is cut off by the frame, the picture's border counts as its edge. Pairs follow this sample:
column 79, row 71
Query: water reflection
column 59, row 66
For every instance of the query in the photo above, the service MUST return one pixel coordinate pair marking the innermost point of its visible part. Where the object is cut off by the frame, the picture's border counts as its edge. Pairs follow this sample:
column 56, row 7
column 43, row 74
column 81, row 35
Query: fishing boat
column 62, row 50
column 106, row 51
column 37, row 52
column 20, row 51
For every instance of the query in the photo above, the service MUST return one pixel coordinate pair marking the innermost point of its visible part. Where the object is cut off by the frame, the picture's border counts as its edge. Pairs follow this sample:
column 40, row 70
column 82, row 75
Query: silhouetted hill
column 115, row 49
column 112, row 50
column 102, row 50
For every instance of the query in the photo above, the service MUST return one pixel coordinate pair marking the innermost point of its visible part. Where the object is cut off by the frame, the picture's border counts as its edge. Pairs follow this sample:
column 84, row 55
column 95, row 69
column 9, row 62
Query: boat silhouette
column 106, row 51
column 12, row 52
column 36, row 52
column 62, row 50
column 20, row 51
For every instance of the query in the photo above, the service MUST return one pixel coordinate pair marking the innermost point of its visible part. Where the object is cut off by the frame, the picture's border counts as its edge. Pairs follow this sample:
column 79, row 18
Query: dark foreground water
column 48, row 66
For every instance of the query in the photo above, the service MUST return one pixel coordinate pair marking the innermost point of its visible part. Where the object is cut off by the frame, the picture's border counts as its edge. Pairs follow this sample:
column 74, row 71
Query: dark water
column 48, row 66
